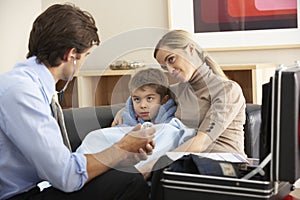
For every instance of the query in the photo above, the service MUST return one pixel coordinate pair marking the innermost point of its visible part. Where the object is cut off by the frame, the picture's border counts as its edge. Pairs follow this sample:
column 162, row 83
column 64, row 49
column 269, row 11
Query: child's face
column 146, row 102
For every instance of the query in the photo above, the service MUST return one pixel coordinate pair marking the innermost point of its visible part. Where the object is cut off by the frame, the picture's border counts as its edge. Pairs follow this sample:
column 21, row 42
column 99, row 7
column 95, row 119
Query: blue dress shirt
column 31, row 146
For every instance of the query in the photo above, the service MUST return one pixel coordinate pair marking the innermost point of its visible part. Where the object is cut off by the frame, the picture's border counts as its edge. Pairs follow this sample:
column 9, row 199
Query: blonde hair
column 180, row 39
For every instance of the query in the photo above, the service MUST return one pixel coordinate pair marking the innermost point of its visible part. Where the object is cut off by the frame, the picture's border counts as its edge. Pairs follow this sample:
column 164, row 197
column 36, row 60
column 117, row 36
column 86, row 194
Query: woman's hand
column 118, row 118
column 146, row 169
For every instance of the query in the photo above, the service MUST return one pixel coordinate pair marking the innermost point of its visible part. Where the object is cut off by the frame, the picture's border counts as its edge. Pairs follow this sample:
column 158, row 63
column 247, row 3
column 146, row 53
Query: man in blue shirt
column 31, row 145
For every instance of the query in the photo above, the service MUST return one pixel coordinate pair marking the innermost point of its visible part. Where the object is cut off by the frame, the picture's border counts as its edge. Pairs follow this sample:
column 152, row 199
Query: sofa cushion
column 252, row 130
column 80, row 121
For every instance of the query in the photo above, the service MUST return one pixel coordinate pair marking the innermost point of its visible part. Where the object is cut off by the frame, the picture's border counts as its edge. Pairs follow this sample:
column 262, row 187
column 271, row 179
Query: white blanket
column 168, row 136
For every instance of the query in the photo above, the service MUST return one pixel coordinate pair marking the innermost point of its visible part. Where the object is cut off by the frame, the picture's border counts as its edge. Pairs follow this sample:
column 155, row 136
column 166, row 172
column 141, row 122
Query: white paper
column 228, row 157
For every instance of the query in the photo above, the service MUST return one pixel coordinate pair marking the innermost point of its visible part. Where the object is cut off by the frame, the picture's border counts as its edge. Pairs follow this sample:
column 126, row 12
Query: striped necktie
column 58, row 115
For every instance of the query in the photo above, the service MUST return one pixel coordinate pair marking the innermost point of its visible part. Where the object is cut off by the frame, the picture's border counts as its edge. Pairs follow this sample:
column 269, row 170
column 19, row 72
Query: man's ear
column 165, row 99
column 70, row 55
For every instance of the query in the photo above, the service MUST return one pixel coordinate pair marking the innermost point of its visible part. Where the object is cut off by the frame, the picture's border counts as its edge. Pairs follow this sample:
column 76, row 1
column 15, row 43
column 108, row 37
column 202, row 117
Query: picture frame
column 181, row 16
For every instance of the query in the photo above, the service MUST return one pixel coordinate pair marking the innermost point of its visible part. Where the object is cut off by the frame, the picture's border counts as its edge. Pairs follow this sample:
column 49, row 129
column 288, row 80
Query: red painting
column 242, row 15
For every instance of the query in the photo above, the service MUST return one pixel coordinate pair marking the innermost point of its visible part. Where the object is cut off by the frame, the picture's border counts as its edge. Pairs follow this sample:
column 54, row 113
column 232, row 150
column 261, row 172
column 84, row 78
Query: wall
column 113, row 18
column 16, row 18
column 120, row 23
column 286, row 56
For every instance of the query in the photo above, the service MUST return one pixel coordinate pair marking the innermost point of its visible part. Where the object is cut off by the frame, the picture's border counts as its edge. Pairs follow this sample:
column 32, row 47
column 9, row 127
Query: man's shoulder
column 16, row 82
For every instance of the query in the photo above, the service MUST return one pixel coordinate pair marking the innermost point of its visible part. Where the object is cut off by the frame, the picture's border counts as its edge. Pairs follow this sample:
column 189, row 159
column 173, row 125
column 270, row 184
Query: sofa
column 80, row 121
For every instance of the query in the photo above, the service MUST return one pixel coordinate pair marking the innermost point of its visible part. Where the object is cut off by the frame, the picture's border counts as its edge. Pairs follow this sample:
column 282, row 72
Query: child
column 149, row 101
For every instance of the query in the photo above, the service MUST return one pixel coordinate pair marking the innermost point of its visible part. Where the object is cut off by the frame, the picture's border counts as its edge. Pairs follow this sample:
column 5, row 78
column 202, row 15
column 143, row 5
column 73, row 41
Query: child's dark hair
column 151, row 77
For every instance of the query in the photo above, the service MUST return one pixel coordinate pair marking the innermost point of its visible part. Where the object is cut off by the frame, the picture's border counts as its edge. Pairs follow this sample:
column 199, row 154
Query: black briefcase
column 177, row 185
column 180, row 183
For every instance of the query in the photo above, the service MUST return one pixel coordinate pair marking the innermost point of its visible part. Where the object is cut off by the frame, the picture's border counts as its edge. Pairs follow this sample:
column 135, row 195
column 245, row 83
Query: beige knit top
column 215, row 106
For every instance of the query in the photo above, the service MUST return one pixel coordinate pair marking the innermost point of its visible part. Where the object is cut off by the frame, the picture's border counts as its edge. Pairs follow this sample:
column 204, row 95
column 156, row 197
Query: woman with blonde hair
column 207, row 100
column 179, row 39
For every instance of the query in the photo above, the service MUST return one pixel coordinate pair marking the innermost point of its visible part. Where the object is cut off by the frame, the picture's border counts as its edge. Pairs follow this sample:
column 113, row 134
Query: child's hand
column 118, row 118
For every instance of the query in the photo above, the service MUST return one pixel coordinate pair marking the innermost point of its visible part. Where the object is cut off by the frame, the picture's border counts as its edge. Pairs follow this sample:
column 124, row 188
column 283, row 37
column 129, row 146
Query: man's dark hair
column 59, row 29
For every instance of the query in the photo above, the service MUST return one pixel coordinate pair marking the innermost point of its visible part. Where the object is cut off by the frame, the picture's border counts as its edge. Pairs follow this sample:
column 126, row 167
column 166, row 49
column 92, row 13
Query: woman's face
column 178, row 62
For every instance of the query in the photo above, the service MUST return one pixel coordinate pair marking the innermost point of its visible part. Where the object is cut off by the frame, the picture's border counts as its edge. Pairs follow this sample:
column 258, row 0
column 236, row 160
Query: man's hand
column 131, row 149
column 136, row 144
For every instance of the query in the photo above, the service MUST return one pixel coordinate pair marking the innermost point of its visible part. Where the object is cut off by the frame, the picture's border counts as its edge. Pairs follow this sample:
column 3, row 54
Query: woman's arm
column 199, row 143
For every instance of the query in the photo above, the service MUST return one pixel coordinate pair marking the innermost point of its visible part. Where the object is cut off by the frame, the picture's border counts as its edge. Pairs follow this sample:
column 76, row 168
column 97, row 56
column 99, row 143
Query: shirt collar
column 45, row 77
